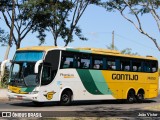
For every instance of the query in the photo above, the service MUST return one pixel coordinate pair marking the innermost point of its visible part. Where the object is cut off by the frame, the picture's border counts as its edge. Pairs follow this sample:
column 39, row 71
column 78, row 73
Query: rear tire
column 131, row 97
column 140, row 97
column 66, row 98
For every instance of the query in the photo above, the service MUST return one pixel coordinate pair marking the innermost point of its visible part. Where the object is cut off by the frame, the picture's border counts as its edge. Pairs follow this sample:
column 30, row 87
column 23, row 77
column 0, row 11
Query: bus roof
column 86, row 50
column 37, row 48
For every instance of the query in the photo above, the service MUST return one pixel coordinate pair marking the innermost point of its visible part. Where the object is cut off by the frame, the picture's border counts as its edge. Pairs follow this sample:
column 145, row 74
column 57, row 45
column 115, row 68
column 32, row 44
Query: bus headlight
column 33, row 92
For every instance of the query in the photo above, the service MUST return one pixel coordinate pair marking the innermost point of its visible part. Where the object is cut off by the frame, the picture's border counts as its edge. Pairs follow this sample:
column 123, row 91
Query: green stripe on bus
column 27, row 89
column 100, row 81
column 88, row 81
column 75, row 50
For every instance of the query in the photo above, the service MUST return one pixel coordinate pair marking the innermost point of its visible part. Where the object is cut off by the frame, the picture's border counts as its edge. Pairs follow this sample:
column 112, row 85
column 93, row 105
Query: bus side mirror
column 37, row 66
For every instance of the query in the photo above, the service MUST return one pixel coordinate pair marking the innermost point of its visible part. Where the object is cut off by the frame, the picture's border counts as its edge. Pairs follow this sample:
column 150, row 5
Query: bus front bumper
column 27, row 97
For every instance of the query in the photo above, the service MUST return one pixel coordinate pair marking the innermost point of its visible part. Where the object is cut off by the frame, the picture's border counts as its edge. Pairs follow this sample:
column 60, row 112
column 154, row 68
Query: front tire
column 66, row 98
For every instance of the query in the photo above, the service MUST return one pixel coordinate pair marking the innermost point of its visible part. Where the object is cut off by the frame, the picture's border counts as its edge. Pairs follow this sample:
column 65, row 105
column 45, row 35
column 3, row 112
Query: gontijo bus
column 42, row 74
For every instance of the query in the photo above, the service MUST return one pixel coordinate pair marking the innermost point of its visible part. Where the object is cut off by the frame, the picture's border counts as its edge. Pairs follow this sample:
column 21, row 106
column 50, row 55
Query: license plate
column 19, row 97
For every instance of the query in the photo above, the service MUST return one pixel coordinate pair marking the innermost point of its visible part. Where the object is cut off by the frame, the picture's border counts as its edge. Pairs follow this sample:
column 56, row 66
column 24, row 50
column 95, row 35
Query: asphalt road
column 86, row 108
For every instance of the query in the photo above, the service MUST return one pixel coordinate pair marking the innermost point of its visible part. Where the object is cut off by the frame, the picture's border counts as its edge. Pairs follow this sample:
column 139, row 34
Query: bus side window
column 85, row 63
column 98, row 64
column 111, row 65
column 68, row 63
column 146, row 67
column 125, row 65
column 154, row 66
column 136, row 66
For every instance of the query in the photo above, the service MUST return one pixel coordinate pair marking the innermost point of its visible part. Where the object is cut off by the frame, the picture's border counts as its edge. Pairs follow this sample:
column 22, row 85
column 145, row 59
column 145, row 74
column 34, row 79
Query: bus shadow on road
column 76, row 103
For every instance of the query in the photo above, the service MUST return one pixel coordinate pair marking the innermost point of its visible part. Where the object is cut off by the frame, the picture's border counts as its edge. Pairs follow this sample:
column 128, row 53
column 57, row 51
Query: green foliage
column 139, row 6
column 47, row 14
column 128, row 51
column 4, row 37
column 112, row 47
column 5, row 78
column 5, row 5
column 124, row 51
column 22, row 25
column 57, row 16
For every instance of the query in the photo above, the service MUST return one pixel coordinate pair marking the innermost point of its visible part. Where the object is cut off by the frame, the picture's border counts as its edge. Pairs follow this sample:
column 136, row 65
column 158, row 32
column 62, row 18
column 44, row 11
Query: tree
column 124, row 51
column 4, row 37
column 3, row 7
column 60, row 17
column 4, row 79
column 137, row 8
column 22, row 26
column 112, row 47
column 128, row 51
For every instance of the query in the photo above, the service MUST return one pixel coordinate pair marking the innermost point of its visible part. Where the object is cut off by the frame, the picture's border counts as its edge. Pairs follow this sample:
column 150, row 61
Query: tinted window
column 125, row 65
column 28, row 56
column 67, row 60
column 104, row 62
column 97, row 62
column 111, row 64
column 154, row 66
column 146, row 66
column 84, row 61
column 50, row 66
column 46, row 75
column 136, row 66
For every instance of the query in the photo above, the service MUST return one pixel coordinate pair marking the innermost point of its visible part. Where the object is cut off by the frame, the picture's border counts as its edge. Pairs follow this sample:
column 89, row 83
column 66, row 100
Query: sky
column 97, row 25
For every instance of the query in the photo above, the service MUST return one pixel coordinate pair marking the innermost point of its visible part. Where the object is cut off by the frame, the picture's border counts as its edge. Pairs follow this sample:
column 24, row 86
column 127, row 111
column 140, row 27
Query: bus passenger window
column 125, row 65
column 146, row 67
column 154, row 66
column 136, row 66
column 85, row 63
column 111, row 65
column 97, row 64
column 68, row 63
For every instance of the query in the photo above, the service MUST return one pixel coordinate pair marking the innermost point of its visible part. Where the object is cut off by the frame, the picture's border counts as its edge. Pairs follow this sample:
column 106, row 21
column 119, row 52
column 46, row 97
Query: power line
column 134, row 41
column 124, row 38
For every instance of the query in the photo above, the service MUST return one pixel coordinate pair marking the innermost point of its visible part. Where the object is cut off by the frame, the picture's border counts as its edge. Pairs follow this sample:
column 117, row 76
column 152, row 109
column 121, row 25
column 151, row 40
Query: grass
column 2, row 85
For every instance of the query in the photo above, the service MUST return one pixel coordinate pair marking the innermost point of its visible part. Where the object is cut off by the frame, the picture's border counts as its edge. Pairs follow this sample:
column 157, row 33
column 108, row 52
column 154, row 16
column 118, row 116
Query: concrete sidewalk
column 3, row 94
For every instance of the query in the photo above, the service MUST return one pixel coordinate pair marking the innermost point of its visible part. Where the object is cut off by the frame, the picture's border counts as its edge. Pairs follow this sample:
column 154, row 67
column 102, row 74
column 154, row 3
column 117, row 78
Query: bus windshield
column 30, row 56
column 22, row 69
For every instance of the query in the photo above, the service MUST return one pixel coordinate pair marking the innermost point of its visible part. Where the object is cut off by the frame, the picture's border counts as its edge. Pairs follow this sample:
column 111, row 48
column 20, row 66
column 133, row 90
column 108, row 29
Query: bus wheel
column 131, row 97
column 66, row 98
column 38, row 103
column 140, row 97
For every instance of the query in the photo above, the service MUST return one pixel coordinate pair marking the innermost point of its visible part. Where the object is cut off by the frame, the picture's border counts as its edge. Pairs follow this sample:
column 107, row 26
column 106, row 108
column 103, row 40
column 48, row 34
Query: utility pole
column 113, row 40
